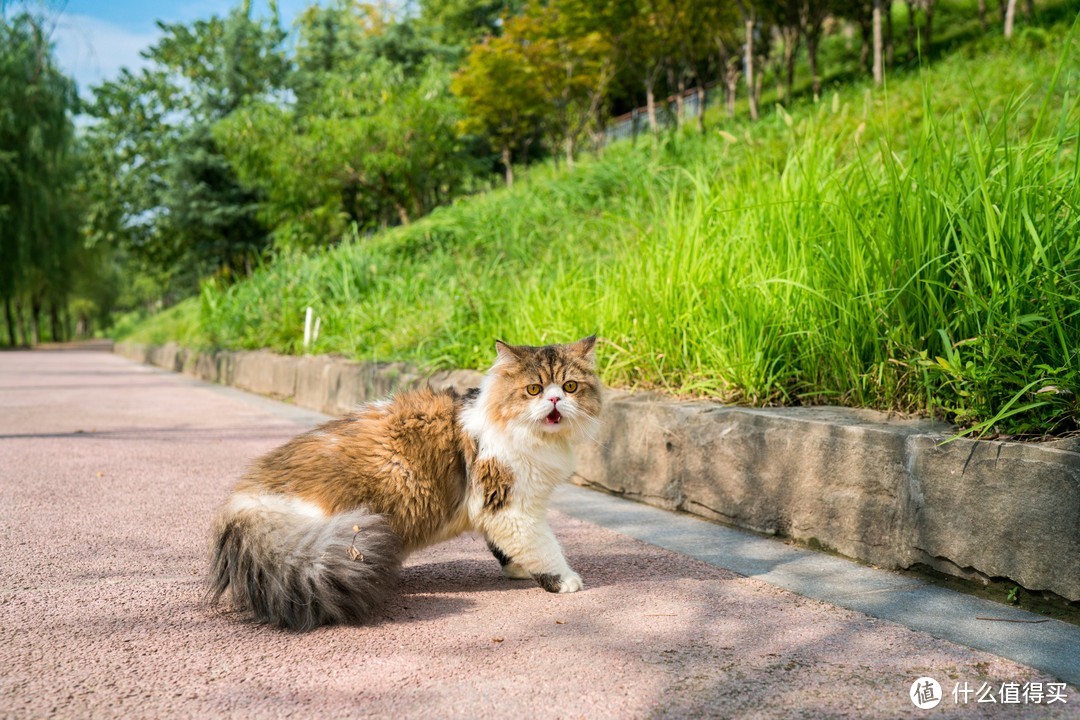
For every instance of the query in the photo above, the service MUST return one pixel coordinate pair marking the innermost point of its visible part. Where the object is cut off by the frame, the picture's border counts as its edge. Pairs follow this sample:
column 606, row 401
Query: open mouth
column 553, row 418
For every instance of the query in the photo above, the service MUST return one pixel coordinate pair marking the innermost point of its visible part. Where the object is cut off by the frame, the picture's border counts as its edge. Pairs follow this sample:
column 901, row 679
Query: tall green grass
column 914, row 249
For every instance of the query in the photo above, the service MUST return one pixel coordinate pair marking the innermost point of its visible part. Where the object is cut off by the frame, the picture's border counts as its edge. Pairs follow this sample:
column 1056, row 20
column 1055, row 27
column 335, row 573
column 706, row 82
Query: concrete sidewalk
column 109, row 472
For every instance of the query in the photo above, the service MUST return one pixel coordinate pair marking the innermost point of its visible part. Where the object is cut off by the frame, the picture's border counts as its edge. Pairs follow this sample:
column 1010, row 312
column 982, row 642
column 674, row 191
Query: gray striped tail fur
column 297, row 571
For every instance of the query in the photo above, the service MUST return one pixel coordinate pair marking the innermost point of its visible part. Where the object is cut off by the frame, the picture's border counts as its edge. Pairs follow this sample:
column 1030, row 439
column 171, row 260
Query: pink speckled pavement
column 109, row 472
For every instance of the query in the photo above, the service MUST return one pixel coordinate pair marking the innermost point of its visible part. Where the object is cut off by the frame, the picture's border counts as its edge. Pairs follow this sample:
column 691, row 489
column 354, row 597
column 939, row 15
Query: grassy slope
column 913, row 248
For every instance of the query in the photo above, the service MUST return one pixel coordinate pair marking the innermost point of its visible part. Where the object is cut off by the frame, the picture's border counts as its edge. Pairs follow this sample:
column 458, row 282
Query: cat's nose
column 554, row 399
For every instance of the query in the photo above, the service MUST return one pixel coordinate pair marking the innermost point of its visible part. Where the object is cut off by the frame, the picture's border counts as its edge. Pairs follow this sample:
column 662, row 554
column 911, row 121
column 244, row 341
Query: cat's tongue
column 553, row 418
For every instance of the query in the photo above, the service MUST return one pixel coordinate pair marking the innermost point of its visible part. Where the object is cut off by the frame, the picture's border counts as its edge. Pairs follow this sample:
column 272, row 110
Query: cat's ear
column 506, row 353
column 586, row 349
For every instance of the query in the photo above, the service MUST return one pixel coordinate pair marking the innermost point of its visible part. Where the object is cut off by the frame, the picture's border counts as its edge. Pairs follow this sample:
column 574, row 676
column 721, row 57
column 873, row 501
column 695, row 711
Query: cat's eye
column 533, row 389
column 569, row 386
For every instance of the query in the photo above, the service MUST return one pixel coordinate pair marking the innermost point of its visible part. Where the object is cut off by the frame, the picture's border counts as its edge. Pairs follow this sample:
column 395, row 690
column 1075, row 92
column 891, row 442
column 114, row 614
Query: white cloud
column 92, row 50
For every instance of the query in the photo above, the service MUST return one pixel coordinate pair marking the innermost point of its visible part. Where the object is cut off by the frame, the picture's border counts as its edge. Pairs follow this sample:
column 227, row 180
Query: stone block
column 316, row 384
column 876, row 488
column 266, row 373
column 1004, row 510
column 226, row 366
column 460, row 381
column 840, row 483
column 138, row 352
column 350, row 386
column 169, row 356
column 202, row 365
column 635, row 453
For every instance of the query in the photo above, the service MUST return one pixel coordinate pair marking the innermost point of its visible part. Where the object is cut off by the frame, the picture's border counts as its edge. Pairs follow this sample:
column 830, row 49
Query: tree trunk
column 912, row 31
column 790, row 37
column 732, row 85
column 749, row 69
column 54, row 324
column 1010, row 17
column 879, row 68
column 568, row 145
column 508, row 168
column 10, row 317
column 20, row 323
column 982, row 15
column 35, row 322
column 599, row 142
column 812, row 60
column 890, row 46
column 728, row 75
column 1029, row 9
column 679, row 86
column 650, row 103
column 928, row 33
column 866, row 42
column 701, row 97
column 680, row 100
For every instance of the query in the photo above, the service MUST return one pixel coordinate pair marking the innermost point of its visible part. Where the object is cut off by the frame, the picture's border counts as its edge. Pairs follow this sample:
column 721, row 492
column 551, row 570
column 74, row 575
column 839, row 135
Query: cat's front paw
column 568, row 583
column 571, row 583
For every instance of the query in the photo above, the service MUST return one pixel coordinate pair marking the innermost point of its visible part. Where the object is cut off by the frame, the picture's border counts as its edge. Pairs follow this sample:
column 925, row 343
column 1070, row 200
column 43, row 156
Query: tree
column 879, row 65
column 373, row 148
column 166, row 197
column 652, row 37
column 785, row 17
column 502, row 98
column 919, row 42
column 1010, row 16
column 748, row 13
column 812, row 14
column 464, row 23
column 38, row 213
column 703, row 27
column 573, row 63
column 335, row 39
column 726, row 38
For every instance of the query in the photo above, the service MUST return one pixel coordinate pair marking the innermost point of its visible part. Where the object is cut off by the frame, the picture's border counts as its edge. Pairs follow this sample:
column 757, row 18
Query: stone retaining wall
column 875, row 488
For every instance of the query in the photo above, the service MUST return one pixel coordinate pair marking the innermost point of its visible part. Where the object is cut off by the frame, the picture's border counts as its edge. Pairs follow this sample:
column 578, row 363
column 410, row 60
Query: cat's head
column 550, row 391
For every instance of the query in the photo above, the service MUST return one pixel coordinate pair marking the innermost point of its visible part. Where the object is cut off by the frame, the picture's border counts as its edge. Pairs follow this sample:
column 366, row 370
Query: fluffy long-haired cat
column 316, row 530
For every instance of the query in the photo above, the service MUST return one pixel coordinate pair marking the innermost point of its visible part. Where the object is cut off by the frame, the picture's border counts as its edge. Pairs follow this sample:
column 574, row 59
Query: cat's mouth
column 553, row 418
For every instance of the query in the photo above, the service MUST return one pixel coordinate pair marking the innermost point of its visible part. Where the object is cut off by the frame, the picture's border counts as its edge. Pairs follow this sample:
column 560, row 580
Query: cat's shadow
column 457, row 576
column 408, row 608
column 472, row 576
column 423, row 589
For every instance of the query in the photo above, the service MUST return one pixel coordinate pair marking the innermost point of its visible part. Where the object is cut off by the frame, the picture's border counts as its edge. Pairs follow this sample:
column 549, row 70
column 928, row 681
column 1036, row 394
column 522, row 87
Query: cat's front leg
column 526, row 547
column 509, row 568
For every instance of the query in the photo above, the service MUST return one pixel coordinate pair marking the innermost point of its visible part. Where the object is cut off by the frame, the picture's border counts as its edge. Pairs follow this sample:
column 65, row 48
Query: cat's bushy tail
column 301, row 571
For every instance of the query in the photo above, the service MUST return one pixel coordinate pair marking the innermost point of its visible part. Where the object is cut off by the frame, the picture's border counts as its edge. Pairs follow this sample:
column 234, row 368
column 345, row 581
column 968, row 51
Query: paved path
column 109, row 472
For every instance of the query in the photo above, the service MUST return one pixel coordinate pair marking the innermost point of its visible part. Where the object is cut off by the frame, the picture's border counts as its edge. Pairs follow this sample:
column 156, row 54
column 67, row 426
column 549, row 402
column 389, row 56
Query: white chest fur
column 538, row 462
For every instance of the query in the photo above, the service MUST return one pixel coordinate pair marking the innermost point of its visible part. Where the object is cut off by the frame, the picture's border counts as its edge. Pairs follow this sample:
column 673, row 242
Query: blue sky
column 95, row 38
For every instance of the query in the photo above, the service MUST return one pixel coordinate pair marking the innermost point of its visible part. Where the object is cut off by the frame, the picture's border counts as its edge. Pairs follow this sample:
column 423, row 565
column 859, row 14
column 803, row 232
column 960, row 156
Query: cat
column 315, row 532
